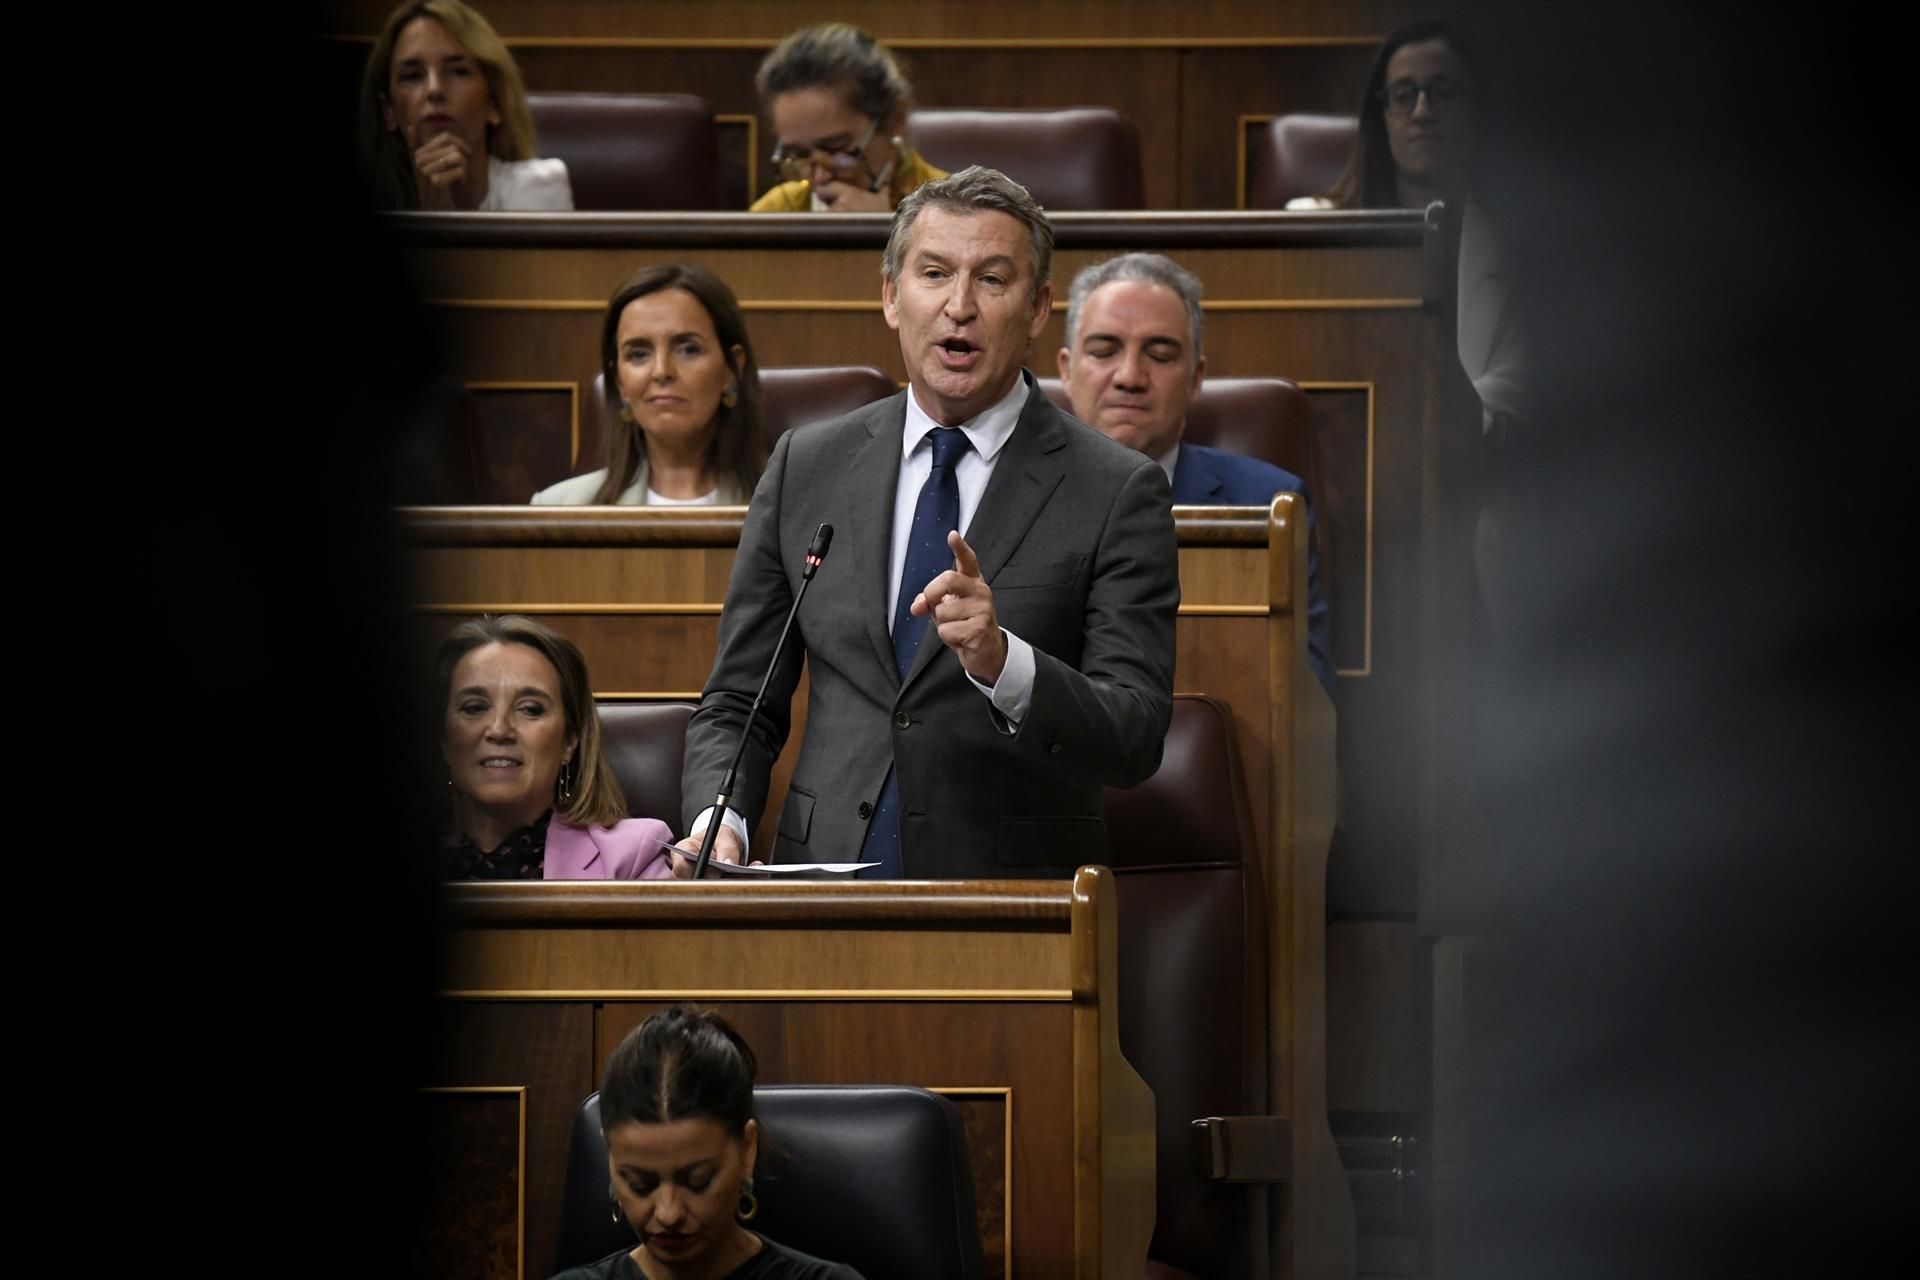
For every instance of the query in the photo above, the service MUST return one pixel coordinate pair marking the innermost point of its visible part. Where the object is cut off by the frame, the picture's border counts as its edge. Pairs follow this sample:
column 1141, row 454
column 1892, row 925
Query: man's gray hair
column 972, row 190
column 1140, row 268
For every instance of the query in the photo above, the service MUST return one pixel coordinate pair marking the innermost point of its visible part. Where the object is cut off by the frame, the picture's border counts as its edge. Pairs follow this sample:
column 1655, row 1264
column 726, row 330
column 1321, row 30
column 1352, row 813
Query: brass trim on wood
column 520, row 1156
column 573, row 406
column 932, row 42
column 1240, row 158
column 753, row 146
column 657, row 610
column 648, row 695
column 1006, row 1182
column 870, row 305
column 1366, row 626
column 935, row 995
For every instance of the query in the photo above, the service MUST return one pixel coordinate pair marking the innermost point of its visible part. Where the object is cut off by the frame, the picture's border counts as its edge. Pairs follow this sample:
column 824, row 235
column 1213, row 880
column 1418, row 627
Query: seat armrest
column 1244, row 1148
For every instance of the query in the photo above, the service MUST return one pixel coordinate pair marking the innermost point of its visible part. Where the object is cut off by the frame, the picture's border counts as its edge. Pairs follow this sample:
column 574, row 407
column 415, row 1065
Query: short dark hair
column 680, row 1063
column 739, row 440
column 975, row 189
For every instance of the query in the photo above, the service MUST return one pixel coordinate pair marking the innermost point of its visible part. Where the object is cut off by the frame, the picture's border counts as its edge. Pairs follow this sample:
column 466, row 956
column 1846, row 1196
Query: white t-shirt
column 527, row 186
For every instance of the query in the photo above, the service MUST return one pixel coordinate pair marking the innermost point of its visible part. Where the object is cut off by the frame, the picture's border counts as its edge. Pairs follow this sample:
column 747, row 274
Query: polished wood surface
column 1001, row 992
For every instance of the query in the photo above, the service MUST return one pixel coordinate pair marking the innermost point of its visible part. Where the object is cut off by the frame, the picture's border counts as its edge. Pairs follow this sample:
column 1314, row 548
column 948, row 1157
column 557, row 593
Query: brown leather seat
column 632, row 150
column 788, row 398
column 645, row 742
column 1193, row 981
column 1300, row 155
column 1076, row 158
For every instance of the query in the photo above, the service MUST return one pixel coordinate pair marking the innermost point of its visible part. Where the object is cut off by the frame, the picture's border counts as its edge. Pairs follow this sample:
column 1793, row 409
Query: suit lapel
column 872, row 475
column 1025, row 475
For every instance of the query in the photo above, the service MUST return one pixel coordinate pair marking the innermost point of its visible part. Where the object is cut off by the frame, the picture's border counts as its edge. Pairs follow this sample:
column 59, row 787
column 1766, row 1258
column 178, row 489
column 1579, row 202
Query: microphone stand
column 822, row 539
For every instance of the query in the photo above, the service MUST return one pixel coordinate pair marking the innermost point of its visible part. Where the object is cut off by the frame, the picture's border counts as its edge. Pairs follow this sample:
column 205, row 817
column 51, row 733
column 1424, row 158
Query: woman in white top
column 680, row 373
column 444, row 122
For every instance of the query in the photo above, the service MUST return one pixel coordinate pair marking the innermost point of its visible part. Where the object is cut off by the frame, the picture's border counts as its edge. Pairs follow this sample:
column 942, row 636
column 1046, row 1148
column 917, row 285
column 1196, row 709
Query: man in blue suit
column 1132, row 364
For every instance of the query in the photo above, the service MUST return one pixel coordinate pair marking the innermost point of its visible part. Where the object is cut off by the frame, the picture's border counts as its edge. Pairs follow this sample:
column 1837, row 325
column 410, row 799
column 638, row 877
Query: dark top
column 522, row 856
column 773, row 1262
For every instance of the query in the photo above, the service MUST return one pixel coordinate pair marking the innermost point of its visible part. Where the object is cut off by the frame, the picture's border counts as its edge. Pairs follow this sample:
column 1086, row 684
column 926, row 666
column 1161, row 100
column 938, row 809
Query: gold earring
column 626, row 412
column 748, row 1204
column 731, row 396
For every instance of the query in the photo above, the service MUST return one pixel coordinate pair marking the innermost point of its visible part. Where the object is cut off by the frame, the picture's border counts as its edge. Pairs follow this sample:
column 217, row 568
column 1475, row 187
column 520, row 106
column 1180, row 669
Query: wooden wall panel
column 761, row 22
column 547, row 1050
column 1219, row 86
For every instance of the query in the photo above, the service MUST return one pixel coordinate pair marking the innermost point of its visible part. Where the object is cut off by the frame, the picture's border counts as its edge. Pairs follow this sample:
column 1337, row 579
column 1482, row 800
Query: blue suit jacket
column 1204, row 477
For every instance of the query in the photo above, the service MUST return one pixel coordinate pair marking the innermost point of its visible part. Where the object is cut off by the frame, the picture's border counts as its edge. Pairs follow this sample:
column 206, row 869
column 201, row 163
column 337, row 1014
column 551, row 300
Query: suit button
column 866, row 810
column 901, row 719
column 1053, row 748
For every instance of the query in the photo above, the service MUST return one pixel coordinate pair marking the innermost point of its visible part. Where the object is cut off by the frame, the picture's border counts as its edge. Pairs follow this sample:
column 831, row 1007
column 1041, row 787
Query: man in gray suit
column 971, row 695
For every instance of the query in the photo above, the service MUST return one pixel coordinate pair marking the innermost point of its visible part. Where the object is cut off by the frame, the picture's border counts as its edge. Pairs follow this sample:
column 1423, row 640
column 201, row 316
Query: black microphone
column 816, row 552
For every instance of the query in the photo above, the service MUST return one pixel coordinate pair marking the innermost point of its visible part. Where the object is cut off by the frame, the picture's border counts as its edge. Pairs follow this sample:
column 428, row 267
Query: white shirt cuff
column 1012, row 694
column 732, row 821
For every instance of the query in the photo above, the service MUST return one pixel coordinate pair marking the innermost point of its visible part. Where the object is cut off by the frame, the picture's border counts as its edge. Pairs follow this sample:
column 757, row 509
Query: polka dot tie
column 928, row 556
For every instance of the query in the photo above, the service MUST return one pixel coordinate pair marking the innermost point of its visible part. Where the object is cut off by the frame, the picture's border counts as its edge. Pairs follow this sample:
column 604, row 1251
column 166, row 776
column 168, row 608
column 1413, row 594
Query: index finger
column 963, row 558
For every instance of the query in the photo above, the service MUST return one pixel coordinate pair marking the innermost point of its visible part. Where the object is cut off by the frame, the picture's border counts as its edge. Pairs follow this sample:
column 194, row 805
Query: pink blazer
column 628, row 850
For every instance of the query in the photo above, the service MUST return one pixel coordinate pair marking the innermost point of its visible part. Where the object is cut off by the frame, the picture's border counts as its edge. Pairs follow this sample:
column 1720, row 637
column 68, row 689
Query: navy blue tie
column 928, row 556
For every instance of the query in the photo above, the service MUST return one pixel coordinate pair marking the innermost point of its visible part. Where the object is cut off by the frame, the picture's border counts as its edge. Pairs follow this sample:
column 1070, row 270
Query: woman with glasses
column 839, row 106
column 1415, row 143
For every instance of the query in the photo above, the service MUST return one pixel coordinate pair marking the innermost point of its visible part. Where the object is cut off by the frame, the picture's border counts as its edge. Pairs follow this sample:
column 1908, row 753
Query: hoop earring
column 748, row 1204
column 618, row 1217
column 731, row 396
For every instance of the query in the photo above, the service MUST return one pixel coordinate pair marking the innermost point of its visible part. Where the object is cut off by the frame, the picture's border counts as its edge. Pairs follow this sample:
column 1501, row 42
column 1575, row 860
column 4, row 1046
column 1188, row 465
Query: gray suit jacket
column 1074, row 535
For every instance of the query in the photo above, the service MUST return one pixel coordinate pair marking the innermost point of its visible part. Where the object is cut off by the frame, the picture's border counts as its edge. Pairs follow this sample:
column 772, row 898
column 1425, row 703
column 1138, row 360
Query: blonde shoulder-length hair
column 384, row 155
column 597, row 799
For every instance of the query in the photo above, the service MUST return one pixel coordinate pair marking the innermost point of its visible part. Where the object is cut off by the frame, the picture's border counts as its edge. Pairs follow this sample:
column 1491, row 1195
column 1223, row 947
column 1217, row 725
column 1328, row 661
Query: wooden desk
column 998, row 994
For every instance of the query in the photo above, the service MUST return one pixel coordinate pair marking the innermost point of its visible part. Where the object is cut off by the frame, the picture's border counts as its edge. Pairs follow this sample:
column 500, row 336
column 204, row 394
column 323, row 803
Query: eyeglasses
column 1402, row 96
column 797, row 162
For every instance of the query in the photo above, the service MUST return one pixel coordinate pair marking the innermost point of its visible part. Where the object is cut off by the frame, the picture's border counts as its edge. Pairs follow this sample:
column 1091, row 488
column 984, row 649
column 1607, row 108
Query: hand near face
column 726, row 848
column 441, row 166
column 850, row 197
column 961, row 604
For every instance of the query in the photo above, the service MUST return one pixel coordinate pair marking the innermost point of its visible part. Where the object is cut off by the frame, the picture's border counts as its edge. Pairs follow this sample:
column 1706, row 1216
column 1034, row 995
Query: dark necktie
column 928, row 556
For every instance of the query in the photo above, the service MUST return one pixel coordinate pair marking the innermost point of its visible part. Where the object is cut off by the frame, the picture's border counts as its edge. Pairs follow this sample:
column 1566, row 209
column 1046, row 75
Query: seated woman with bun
column 444, row 122
column 1415, row 141
column 531, row 792
column 680, row 374
column 676, row 1106
column 839, row 107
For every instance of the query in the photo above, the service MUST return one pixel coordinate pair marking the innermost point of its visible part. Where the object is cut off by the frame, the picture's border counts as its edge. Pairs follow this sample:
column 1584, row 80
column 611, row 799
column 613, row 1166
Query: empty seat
column 645, row 743
column 632, row 150
column 1075, row 158
column 873, row 1176
column 1193, row 982
column 1299, row 155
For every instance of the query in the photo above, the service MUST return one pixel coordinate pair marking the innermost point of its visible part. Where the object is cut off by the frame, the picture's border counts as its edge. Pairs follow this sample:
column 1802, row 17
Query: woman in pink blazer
column 530, row 791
